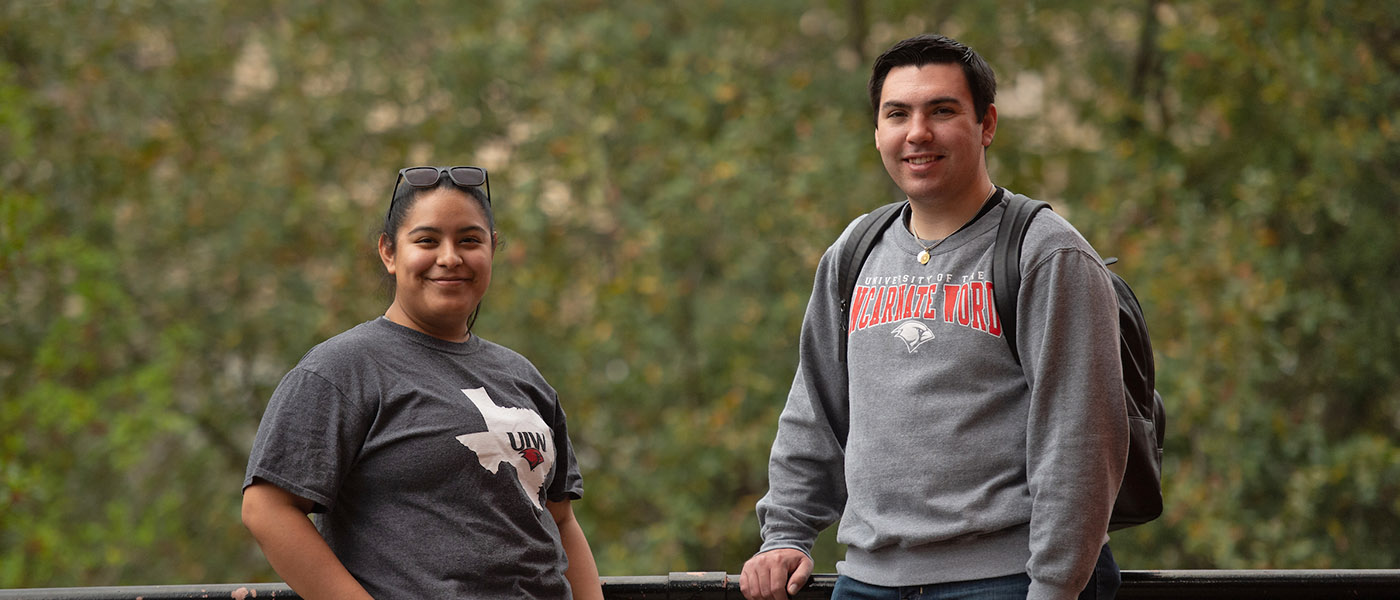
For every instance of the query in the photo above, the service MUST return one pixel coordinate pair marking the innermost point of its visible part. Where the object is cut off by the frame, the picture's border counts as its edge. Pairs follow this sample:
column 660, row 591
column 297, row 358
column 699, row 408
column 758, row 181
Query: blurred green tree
column 189, row 193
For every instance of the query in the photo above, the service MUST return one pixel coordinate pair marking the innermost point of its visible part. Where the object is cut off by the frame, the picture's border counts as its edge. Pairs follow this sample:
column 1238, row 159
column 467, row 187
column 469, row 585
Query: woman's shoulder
column 506, row 358
column 348, row 349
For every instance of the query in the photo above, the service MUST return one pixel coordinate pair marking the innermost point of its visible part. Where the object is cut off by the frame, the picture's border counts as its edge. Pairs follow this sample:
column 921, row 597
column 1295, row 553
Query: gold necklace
column 923, row 256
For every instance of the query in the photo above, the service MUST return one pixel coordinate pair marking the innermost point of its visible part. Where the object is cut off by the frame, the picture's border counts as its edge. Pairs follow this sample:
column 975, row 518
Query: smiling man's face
column 928, row 135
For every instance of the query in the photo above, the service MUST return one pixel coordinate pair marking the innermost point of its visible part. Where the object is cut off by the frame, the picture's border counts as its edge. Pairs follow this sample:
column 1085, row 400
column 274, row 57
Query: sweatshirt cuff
column 1041, row 590
column 779, row 545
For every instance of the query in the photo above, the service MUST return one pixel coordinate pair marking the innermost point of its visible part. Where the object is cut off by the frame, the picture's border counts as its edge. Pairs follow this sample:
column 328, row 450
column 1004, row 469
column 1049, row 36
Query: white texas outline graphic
column 493, row 446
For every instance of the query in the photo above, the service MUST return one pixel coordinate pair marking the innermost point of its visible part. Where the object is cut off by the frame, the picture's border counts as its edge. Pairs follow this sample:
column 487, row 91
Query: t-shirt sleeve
column 567, row 483
column 308, row 438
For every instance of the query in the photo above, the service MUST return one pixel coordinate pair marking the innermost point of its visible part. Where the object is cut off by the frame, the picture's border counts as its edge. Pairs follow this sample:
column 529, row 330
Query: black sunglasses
column 425, row 177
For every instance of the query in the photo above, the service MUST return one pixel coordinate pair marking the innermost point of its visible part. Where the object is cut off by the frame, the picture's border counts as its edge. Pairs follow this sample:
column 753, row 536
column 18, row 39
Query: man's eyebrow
column 888, row 104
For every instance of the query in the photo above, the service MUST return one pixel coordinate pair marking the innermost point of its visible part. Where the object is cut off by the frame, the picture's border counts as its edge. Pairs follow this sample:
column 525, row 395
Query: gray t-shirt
column 429, row 462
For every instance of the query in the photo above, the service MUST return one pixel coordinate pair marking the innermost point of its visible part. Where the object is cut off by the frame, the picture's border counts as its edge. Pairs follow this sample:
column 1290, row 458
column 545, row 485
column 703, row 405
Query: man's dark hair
column 931, row 48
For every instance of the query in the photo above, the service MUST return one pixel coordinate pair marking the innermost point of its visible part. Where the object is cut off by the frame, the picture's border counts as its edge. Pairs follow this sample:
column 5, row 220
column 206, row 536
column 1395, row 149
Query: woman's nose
column 448, row 256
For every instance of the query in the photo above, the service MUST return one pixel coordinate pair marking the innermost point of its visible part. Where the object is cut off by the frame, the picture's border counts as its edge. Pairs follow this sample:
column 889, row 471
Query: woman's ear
column 386, row 253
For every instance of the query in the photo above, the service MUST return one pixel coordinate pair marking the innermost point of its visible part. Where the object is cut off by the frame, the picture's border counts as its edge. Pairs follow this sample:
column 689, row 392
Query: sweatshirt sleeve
column 806, row 476
column 1077, row 431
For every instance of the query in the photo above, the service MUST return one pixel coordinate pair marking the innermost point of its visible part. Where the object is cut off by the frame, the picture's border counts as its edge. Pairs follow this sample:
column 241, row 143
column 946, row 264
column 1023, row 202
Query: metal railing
column 1374, row 584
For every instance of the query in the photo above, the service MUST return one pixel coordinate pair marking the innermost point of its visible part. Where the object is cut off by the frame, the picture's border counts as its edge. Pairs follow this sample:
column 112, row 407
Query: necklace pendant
column 923, row 257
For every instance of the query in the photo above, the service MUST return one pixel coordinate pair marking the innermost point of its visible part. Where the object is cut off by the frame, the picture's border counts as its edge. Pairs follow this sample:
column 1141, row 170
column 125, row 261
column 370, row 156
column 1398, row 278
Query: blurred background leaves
column 189, row 194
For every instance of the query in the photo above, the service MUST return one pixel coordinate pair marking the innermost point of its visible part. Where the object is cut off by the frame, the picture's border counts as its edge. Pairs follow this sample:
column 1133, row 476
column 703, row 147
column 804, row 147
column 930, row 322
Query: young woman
column 437, row 463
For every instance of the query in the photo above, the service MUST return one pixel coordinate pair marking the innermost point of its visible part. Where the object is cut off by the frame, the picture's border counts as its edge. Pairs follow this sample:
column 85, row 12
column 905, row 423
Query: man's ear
column 386, row 253
column 989, row 125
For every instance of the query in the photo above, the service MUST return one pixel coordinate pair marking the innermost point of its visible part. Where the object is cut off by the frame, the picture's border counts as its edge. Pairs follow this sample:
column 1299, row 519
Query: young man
column 952, row 467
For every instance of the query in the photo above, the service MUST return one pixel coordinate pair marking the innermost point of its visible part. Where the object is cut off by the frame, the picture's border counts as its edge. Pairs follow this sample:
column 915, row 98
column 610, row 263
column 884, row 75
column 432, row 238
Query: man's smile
column 923, row 160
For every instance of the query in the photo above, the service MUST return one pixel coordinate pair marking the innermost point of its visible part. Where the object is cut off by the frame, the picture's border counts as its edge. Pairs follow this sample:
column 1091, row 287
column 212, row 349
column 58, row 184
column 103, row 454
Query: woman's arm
column 583, row 571
column 277, row 519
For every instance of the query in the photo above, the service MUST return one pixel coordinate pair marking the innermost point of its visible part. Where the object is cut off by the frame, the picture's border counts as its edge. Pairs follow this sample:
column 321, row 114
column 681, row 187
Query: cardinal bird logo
column 914, row 334
column 532, row 456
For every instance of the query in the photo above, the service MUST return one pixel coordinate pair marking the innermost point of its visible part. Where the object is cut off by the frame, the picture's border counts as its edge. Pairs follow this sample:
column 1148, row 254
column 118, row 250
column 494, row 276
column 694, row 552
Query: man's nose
column 920, row 130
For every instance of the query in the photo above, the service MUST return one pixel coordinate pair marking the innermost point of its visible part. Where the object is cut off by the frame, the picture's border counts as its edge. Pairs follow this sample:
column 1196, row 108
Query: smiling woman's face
column 441, row 263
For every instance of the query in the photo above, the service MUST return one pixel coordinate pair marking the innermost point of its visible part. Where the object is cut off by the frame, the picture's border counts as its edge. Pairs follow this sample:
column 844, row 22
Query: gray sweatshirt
column 959, row 464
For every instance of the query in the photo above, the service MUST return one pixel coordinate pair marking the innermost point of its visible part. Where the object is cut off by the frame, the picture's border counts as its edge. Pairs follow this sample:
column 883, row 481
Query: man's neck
column 935, row 220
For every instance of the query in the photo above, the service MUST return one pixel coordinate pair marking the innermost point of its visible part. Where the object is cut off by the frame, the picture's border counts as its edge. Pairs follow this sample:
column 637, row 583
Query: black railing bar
column 702, row 585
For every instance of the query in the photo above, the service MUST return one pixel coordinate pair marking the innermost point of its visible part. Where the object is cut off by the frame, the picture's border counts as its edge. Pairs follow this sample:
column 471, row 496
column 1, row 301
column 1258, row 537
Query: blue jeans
column 1103, row 585
column 1104, row 581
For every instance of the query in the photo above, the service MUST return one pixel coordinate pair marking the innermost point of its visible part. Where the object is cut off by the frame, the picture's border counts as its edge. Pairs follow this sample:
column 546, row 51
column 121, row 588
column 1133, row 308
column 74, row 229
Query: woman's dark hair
column 405, row 196
column 931, row 48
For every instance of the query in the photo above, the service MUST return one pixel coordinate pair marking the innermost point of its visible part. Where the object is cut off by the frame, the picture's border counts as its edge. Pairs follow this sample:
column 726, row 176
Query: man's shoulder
column 1050, row 232
column 859, row 227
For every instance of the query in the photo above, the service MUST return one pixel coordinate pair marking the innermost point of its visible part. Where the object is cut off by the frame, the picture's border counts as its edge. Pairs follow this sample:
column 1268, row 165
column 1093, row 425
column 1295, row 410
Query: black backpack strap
column 1006, row 262
column 853, row 255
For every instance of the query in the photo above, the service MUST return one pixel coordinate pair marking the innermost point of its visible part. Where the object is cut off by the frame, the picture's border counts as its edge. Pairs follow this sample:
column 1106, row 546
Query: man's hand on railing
column 775, row 574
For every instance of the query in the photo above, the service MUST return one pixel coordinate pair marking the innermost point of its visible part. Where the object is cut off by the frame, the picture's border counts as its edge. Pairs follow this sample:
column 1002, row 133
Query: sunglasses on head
column 426, row 177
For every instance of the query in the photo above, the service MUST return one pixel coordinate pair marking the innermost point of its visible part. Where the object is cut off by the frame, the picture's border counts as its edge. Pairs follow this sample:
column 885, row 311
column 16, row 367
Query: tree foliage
column 189, row 194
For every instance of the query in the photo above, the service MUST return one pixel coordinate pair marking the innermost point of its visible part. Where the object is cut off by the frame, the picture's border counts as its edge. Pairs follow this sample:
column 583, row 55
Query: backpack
column 1140, row 495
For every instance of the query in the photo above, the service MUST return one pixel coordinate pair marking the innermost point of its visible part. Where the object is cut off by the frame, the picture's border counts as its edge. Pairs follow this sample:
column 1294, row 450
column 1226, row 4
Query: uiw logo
column 914, row 334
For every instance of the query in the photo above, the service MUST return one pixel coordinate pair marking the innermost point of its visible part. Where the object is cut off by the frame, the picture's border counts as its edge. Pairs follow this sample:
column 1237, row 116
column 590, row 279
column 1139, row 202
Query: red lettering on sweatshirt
column 979, row 305
column 971, row 305
column 993, row 319
column 891, row 311
column 877, row 305
column 926, row 305
column 858, row 309
column 951, row 295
